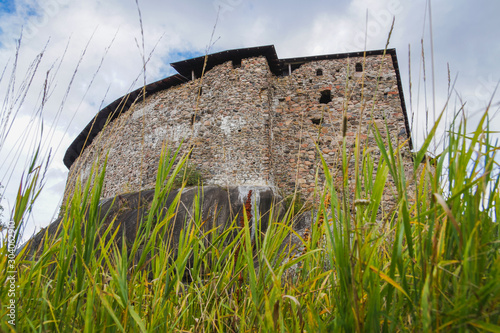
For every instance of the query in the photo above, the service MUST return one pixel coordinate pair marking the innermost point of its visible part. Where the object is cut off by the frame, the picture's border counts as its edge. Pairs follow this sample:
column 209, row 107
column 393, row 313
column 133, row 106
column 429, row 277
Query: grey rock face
column 217, row 208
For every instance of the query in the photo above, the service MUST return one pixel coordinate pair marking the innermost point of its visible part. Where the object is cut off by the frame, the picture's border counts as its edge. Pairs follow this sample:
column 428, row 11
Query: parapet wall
column 249, row 127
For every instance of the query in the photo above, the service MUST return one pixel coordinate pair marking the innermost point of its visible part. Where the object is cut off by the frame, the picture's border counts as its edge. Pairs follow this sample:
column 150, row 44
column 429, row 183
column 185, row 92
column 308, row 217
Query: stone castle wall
column 302, row 123
column 249, row 127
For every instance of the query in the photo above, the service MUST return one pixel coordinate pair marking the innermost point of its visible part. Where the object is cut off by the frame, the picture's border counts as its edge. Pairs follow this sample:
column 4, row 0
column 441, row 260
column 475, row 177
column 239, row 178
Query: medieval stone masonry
column 251, row 119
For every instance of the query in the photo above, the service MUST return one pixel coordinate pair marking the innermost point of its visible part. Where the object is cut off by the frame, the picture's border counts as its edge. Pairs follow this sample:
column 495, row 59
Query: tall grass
column 434, row 266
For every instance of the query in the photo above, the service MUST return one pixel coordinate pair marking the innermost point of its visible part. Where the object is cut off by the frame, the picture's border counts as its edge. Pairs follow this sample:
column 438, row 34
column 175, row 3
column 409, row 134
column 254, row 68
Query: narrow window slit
column 195, row 118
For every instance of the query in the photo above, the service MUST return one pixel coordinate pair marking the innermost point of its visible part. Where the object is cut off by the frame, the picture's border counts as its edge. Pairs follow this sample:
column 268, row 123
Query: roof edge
column 402, row 97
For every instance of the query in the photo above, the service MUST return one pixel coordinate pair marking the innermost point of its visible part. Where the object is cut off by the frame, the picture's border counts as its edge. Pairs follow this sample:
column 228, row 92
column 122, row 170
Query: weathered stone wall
column 304, row 123
column 248, row 127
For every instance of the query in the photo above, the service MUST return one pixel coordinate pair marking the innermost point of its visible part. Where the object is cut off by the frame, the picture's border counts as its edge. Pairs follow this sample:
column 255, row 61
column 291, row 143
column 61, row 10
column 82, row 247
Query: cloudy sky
column 78, row 56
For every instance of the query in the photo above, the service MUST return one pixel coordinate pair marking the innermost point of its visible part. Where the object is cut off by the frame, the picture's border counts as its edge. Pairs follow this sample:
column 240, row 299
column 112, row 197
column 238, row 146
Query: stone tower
column 251, row 118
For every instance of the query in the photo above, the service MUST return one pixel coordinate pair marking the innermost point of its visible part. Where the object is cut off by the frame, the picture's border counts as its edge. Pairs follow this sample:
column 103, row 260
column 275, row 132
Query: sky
column 61, row 61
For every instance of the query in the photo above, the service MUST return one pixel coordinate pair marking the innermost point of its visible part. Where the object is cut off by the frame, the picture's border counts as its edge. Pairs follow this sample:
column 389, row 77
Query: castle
column 250, row 118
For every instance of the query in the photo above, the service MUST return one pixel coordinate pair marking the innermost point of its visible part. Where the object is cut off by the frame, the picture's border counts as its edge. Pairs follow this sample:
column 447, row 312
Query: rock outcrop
column 218, row 207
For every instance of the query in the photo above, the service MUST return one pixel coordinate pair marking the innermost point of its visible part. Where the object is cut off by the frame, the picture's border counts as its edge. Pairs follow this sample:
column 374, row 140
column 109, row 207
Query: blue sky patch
column 7, row 7
column 176, row 55
column 183, row 55
column 1, row 34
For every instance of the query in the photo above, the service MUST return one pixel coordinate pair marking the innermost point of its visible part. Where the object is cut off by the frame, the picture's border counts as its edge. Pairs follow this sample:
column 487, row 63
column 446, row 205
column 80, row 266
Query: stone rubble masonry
column 249, row 127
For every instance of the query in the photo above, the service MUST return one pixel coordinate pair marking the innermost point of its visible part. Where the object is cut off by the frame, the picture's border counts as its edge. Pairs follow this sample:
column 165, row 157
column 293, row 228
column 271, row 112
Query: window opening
column 326, row 97
column 236, row 63
column 316, row 121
